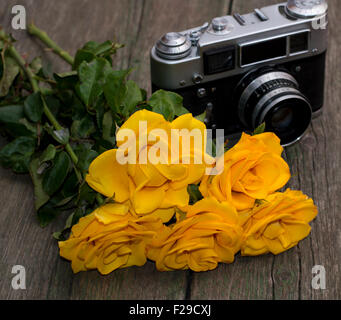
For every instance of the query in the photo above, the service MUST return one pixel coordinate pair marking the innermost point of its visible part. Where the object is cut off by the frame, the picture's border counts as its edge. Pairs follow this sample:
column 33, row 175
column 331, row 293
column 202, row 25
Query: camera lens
column 289, row 120
column 282, row 119
column 272, row 96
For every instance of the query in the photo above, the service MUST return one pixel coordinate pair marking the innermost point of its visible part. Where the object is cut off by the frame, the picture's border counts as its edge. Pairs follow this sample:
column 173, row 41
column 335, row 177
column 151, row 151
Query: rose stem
column 42, row 35
column 21, row 62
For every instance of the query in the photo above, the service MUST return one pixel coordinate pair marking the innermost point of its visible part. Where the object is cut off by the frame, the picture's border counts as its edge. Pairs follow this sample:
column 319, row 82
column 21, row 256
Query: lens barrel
column 273, row 96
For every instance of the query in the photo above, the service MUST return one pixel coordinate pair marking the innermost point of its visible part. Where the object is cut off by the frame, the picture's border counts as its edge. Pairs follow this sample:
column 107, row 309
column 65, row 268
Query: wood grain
column 315, row 165
column 137, row 24
column 169, row 16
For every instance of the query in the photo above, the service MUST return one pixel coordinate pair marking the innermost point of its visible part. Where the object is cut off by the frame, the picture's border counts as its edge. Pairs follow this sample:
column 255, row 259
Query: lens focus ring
column 267, row 100
column 256, row 85
column 273, row 96
column 272, row 85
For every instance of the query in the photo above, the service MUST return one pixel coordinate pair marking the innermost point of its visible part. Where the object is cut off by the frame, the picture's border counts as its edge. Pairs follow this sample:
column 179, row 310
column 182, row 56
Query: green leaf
column 36, row 65
column 58, row 235
column 29, row 126
column 144, row 94
column 17, row 154
column 85, row 156
column 68, row 191
column 46, row 71
column 83, row 128
column 10, row 71
column 48, row 154
column 259, row 202
column 103, row 145
column 70, row 186
column 72, row 219
column 90, row 46
column 169, row 104
column 260, row 129
column 194, row 193
column 66, row 80
column 62, row 135
column 62, row 201
column 68, row 222
column 180, row 215
column 81, row 56
column 40, row 196
column 78, row 109
column 11, row 114
column 33, row 107
column 13, row 119
column 53, row 103
column 132, row 97
column 103, row 48
column 54, row 177
column 18, row 129
column 201, row 117
column 115, row 89
column 107, row 126
column 46, row 214
column 86, row 195
column 1, row 63
column 93, row 49
column 100, row 111
column 92, row 78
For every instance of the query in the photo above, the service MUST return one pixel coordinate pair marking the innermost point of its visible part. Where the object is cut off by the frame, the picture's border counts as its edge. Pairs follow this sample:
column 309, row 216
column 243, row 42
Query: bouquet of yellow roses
column 161, row 196
column 149, row 213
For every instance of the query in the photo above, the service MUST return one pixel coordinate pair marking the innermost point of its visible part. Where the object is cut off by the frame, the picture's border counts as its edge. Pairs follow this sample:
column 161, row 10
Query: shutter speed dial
column 173, row 46
column 306, row 8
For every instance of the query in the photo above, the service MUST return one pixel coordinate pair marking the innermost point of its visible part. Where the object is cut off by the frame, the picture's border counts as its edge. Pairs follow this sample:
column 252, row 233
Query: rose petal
column 109, row 177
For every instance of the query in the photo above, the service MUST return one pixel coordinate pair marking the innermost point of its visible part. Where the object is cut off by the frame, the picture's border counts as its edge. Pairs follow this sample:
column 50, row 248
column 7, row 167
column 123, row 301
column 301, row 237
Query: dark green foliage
column 260, row 129
column 89, row 103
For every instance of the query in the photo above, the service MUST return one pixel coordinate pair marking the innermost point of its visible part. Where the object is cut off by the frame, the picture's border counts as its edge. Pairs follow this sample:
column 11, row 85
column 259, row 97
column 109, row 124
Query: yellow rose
column 277, row 224
column 111, row 237
column 253, row 169
column 208, row 235
column 151, row 185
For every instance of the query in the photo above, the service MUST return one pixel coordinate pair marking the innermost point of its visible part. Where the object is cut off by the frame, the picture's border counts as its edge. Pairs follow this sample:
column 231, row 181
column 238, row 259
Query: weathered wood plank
column 71, row 25
column 138, row 24
column 315, row 164
column 169, row 16
column 319, row 159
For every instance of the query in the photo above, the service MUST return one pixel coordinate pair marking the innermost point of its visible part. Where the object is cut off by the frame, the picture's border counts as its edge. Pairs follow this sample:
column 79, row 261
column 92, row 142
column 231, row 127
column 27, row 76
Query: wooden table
column 315, row 165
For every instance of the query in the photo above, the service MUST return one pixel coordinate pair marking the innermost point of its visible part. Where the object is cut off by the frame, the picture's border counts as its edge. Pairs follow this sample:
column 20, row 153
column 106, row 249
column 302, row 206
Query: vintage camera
column 243, row 70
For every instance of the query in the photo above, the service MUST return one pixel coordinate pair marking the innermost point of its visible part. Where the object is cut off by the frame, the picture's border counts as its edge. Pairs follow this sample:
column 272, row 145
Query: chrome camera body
column 243, row 70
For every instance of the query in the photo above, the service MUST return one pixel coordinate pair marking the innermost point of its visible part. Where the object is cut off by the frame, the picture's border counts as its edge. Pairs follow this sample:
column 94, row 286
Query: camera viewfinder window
column 219, row 60
column 262, row 51
column 299, row 42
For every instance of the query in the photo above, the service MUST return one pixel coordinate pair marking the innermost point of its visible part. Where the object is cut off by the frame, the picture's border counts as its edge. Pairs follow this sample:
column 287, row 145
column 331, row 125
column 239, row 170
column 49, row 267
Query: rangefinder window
column 263, row 51
column 219, row 60
column 299, row 42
